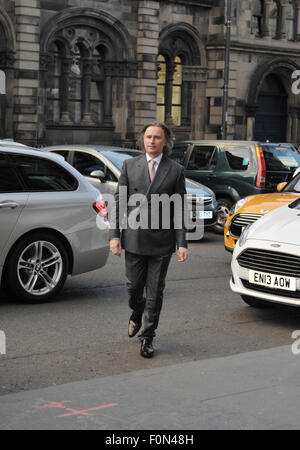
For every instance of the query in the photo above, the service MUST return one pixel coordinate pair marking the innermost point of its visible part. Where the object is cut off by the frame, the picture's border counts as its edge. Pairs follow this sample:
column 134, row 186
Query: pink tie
column 152, row 169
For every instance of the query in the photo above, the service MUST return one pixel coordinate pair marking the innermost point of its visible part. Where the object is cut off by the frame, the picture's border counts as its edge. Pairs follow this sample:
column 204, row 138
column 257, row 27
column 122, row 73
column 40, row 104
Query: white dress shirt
column 157, row 160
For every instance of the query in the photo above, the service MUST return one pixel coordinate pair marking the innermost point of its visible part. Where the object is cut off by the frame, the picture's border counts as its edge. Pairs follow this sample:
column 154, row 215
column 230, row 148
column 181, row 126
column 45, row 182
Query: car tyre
column 36, row 269
column 224, row 206
column 256, row 302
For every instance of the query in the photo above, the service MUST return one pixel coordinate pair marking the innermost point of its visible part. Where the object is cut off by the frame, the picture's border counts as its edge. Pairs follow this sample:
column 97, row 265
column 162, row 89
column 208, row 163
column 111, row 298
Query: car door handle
column 212, row 176
column 9, row 204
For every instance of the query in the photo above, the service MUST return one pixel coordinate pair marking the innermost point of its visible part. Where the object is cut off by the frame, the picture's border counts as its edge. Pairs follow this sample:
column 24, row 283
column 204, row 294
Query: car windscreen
column 117, row 158
column 281, row 157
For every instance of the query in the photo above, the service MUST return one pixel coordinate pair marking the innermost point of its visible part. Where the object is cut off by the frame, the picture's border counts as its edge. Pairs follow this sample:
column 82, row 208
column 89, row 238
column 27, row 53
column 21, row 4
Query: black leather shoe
column 133, row 328
column 146, row 348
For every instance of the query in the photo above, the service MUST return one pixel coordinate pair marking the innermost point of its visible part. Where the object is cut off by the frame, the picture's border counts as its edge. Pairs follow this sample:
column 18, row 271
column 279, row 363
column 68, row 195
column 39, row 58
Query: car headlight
column 244, row 235
column 237, row 205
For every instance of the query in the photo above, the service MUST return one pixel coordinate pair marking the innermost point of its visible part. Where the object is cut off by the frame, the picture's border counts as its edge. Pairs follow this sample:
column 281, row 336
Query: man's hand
column 115, row 247
column 182, row 253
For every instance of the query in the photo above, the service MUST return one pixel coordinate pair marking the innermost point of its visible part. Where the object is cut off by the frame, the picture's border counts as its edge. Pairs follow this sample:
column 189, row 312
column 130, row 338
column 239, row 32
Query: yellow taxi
column 249, row 209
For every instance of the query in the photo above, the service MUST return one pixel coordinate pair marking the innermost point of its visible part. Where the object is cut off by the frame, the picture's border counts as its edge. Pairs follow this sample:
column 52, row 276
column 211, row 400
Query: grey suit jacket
column 156, row 239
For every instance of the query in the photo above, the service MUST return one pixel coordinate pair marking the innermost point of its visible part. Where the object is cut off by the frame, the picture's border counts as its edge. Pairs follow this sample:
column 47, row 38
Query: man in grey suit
column 148, row 249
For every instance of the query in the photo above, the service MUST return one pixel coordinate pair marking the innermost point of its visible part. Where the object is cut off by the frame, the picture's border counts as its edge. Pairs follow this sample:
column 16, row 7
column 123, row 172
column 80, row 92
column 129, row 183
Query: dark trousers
column 146, row 273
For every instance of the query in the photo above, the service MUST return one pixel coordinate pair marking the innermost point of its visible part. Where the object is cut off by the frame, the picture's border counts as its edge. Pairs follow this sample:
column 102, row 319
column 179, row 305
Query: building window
column 169, row 87
column 78, row 82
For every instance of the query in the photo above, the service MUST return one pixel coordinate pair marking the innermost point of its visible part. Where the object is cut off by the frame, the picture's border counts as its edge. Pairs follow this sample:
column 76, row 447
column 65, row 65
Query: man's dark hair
column 168, row 135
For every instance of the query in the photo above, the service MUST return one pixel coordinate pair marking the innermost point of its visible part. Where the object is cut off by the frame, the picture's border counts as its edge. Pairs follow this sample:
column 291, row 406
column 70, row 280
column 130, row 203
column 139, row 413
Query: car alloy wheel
column 37, row 268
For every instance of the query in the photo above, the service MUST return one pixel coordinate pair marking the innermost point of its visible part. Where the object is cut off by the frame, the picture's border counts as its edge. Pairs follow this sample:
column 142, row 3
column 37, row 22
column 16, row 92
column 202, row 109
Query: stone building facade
column 95, row 71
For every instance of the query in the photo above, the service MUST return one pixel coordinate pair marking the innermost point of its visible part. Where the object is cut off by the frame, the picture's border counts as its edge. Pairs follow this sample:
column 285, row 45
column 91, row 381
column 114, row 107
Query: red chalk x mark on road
column 85, row 411
column 74, row 412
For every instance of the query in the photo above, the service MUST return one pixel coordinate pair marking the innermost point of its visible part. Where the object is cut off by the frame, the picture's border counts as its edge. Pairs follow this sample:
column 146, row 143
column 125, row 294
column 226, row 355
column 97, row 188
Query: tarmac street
column 218, row 363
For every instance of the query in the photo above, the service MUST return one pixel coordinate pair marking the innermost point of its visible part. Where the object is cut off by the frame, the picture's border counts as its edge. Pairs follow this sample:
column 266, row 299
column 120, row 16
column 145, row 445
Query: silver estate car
column 53, row 223
column 101, row 165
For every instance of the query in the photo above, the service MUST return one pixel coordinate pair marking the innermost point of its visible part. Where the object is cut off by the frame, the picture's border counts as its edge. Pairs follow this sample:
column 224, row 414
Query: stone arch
column 100, row 20
column 282, row 68
column 193, row 42
column 8, row 30
column 96, row 56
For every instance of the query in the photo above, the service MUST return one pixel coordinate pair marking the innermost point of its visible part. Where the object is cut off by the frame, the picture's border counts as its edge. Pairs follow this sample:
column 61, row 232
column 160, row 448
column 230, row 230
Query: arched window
column 83, row 61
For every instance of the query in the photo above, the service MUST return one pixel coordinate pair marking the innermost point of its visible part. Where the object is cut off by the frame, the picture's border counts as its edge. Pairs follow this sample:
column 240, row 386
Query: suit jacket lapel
column 144, row 170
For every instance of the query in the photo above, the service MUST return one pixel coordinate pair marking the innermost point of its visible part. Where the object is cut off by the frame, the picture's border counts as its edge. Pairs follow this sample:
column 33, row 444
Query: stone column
column 108, row 71
column 185, row 97
column 26, row 90
column 297, row 18
column 293, row 124
column 2, row 103
column 64, row 89
column 86, row 91
column 168, row 93
column 46, row 60
column 250, row 113
column 147, row 52
column 282, row 25
column 266, row 18
column 194, row 80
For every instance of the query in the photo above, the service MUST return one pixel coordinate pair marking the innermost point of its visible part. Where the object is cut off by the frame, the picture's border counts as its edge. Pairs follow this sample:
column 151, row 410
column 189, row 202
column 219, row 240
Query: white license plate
column 201, row 214
column 272, row 281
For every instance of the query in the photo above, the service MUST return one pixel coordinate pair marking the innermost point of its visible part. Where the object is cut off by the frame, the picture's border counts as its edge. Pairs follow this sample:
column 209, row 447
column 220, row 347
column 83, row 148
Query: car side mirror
column 280, row 186
column 98, row 174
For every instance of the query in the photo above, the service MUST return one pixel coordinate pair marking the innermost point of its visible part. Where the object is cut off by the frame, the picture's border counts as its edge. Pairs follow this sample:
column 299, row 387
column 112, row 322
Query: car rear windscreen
column 281, row 161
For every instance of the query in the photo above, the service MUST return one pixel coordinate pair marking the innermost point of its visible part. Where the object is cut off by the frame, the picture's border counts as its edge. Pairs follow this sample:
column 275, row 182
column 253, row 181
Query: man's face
column 154, row 141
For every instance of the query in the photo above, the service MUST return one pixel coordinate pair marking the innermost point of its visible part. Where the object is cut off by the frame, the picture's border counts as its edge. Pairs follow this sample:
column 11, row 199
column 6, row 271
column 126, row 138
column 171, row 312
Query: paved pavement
column 255, row 390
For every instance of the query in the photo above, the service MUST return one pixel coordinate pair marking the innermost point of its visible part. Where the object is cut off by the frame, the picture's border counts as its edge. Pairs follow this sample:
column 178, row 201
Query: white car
column 53, row 223
column 266, row 260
